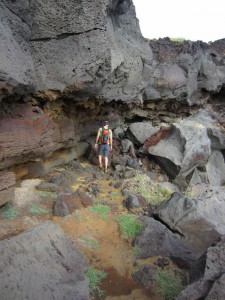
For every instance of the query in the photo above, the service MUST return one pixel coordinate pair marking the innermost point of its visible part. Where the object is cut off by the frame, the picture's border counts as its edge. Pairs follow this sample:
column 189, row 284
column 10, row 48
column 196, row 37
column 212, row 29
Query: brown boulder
column 7, row 191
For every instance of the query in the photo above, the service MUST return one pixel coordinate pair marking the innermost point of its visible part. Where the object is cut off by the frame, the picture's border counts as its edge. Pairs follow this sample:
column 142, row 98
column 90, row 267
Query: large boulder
column 7, row 189
column 139, row 132
column 191, row 153
column 201, row 221
column 42, row 264
column 211, row 284
column 156, row 239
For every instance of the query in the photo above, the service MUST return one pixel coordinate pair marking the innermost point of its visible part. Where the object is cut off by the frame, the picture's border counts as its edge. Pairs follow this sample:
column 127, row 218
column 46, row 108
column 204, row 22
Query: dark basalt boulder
column 42, row 264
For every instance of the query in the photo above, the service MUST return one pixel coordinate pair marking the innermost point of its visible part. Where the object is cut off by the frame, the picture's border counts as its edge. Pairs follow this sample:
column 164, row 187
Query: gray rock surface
column 157, row 239
column 199, row 220
column 211, row 284
column 42, row 264
column 139, row 132
column 95, row 48
column 191, row 153
column 86, row 47
column 185, row 71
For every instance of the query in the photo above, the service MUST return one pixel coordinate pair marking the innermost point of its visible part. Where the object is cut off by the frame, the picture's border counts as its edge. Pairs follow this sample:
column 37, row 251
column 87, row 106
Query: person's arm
column 110, row 140
column 97, row 137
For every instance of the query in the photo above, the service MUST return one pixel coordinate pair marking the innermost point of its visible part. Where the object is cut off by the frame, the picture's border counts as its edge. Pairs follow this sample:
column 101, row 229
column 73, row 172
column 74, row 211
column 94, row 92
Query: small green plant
column 129, row 226
column 8, row 211
column 102, row 210
column 153, row 192
column 35, row 209
column 99, row 200
column 46, row 194
column 136, row 249
column 168, row 284
column 95, row 276
column 90, row 242
column 115, row 194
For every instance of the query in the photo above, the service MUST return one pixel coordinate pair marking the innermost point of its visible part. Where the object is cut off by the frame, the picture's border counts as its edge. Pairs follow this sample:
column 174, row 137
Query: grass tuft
column 153, row 192
column 95, row 276
column 136, row 249
column 99, row 200
column 168, row 284
column 47, row 194
column 35, row 209
column 90, row 242
column 129, row 226
column 101, row 210
column 8, row 211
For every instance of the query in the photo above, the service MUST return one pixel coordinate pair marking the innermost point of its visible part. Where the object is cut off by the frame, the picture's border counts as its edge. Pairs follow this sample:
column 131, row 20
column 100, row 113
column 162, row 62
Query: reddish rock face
column 7, row 190
column 154, row 139
column 27, row 133
column 23, row 138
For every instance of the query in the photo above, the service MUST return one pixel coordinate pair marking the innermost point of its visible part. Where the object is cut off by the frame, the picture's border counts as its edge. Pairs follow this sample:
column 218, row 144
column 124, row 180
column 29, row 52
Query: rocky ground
column 96, row 236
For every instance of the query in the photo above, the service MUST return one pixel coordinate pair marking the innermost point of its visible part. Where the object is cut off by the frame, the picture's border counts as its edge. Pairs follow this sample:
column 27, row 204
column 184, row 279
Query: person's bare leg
column 106, row 163
column 100, row 160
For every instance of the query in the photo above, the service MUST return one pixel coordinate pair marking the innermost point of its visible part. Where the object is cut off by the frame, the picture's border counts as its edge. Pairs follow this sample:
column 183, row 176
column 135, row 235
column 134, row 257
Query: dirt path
column 97, row 237
column 111, row 253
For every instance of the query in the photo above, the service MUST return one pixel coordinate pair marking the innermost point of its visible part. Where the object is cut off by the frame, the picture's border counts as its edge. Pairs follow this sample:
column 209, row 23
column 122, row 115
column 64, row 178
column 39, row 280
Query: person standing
column 104, row 144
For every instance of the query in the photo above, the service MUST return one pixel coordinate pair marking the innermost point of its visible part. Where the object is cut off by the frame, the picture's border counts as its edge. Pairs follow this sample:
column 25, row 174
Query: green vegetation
column 90, row 242
column 46, row 194
column 99, row 200
column 115, row 194
column 8, row 211
column 102, row 210
column 136, row 249
column 168, row 285
column 95, row 276
column 129, row 226
column 178, row 40
column 153, row 192
column 35, row 209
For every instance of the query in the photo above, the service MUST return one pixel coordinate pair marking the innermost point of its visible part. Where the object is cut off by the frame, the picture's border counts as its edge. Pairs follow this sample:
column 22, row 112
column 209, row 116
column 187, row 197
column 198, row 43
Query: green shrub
column 168, row 284
column 102, row 210
column 129, row 226
column 35, row 209
column 95, row 276
column 8, row 211
column 153, row 192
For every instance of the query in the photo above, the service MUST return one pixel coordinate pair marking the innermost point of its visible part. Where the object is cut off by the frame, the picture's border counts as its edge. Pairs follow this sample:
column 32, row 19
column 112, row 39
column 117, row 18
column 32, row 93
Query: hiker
column 104, row 144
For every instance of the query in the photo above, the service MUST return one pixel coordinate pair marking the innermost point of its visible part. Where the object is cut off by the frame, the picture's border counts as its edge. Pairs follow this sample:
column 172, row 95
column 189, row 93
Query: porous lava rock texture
column 42, row 264
column 80, row 48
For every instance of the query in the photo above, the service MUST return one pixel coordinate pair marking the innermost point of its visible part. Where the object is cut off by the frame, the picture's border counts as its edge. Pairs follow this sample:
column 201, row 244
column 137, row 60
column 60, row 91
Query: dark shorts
column 103, row 149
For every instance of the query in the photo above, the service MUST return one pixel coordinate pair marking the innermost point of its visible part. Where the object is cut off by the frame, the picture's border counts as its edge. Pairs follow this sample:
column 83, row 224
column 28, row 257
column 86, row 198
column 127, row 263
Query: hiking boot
column 100, row 167
column 106, row 170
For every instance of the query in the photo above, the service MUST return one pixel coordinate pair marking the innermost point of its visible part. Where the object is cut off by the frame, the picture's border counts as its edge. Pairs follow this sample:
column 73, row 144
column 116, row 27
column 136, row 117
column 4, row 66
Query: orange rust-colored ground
column 113, row 254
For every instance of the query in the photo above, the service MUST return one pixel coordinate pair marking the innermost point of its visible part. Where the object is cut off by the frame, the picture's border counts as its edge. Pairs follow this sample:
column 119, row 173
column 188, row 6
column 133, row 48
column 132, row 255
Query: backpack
column 105, row 136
